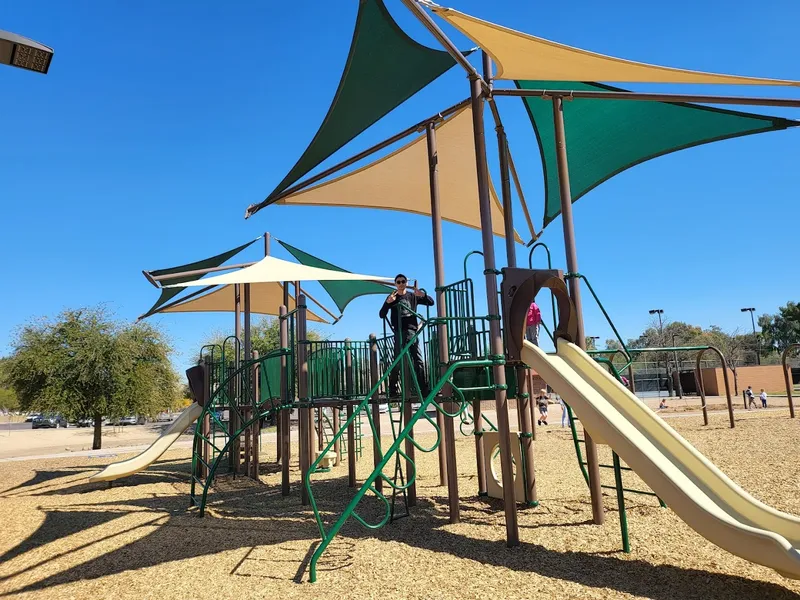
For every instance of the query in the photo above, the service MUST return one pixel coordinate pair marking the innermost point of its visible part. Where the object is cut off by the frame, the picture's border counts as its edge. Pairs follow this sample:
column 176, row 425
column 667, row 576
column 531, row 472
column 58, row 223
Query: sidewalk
column 139, row 439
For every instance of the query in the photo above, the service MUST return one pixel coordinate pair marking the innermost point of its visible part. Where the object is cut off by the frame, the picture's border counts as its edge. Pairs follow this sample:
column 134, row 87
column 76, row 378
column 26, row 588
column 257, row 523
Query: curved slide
column 156, row 449
column 696, row 490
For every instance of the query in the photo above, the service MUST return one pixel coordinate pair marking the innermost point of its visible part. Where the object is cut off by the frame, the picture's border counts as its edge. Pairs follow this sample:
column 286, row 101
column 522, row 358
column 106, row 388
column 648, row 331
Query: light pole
column 751, row 310
column 593, row 341
column 18, row 51
column 677, row 366
column 659, row 312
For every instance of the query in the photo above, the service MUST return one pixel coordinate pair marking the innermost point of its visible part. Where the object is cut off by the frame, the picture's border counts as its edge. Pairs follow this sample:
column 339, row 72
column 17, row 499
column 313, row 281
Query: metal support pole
column 351, row 429
column 337, row 447
column 787, row 376
column 448, row 469
column 248, row 347
column 377, row 453
column 306, row 426
column 648, row 97
column 206, row 447
column 256, row 430
column 575, row 291
column 448, row 45
column 495, row 338
column 410, row 449
column 284, row 438
column 523, row 392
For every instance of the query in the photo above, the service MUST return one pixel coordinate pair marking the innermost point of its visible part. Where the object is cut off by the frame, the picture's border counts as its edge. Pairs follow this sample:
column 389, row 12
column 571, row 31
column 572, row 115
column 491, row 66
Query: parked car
column 129, row 420
column 164, row 417
column 31, row 417
column 85, row 422
column 51, row 421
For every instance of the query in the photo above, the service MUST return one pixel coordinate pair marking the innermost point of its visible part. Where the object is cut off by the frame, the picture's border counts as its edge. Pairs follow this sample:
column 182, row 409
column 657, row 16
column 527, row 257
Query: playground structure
column 470, row 356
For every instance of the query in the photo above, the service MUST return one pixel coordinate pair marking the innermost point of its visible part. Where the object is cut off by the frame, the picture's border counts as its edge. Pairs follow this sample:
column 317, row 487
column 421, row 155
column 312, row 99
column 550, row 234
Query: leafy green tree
column 83, row 364
column 781, row 329
column 8, row 399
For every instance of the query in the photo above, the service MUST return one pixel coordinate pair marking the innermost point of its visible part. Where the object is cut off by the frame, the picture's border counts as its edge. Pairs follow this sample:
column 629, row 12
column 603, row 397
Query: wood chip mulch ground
column 65, row 538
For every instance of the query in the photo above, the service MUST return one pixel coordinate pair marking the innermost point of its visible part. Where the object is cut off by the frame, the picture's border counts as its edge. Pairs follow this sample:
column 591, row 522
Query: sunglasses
column 401, row 281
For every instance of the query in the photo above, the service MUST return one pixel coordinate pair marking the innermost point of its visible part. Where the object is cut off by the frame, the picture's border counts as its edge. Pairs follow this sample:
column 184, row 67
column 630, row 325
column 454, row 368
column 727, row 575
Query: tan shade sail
column 271, row 269
column 399, row 181
column 265, row 299
column 522, row 56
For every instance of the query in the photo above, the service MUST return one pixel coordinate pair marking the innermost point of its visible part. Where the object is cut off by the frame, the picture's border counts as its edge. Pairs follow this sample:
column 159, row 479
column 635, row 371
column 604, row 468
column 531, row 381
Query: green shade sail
column 606, row 137
column 342, row 292
column 206, row 263
column 384, row 68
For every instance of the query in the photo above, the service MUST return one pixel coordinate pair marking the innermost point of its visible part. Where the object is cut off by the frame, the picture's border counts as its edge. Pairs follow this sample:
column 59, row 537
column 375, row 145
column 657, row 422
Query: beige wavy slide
column 141, row 461
column 696, row 490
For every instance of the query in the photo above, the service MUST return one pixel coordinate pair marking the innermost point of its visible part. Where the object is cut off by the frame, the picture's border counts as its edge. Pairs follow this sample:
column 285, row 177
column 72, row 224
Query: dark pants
column 416, row 362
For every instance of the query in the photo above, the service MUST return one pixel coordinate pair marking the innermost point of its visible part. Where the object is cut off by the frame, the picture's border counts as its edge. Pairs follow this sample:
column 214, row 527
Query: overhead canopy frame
column 384, row 68
column 164, row 278
column 608, row 136
column 342, row 292
column 271, row 269
column 265, row 299
column 400, row 180
column 522, row 56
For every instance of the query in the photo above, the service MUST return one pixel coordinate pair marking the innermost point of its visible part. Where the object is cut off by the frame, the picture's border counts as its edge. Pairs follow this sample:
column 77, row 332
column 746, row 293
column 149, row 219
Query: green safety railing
column 401, row 358
column 234, row 394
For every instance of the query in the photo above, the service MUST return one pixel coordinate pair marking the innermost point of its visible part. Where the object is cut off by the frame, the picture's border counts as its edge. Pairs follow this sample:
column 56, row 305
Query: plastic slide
column 696, row 490
column 154, row 452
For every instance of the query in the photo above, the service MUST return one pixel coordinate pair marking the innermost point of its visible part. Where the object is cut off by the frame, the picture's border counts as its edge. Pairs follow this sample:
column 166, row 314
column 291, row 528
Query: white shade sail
column 522, row 56
column 265, row 299
column 271, row 269
column 400, row 181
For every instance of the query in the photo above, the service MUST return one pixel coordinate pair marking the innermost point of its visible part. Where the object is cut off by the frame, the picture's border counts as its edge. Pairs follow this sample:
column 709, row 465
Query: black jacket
column 410, row 300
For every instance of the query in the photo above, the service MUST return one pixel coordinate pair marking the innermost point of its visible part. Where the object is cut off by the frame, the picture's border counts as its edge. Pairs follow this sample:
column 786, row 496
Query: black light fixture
column 20, row 52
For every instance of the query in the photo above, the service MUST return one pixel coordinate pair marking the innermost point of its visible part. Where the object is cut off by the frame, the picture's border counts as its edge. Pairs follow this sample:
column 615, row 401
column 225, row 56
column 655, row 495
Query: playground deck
column 64, row 537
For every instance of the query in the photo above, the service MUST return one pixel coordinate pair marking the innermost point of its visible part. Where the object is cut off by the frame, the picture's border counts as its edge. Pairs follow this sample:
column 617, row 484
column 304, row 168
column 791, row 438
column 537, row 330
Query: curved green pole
column 465, row 261
column 394, row 448
column 549, row 266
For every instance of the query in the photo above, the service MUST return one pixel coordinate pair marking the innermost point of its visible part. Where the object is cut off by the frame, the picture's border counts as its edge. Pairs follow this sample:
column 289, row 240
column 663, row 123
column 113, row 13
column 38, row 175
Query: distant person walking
column 541, row 402
column 532, row 322
column 751, row 402
column 763, row 397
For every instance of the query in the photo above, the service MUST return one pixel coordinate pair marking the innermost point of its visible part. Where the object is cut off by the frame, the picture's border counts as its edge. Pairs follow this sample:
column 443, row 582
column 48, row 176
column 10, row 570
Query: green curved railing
column 394, row 450
column 240, row 382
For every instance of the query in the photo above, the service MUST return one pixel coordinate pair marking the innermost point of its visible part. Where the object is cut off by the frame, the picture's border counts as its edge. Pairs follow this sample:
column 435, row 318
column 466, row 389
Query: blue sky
column 159, row 123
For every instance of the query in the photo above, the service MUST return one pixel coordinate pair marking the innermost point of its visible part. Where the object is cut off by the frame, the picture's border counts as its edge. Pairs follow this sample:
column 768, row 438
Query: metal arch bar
column 441, row 37
column 159, row 278
column 701, row 386
column 787, row 377
column 652, row 97
column 179, row 301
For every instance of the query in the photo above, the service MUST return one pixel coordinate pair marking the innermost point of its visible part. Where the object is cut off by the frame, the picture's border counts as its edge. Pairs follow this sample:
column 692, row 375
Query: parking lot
column 20, row 439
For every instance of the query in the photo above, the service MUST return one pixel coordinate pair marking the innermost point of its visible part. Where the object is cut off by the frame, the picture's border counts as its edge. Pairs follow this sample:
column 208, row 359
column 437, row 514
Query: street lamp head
column 656, row 311
column 751, row 309
column 21, row 52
